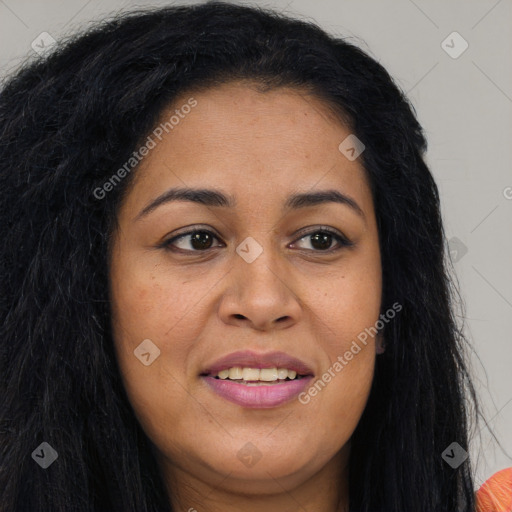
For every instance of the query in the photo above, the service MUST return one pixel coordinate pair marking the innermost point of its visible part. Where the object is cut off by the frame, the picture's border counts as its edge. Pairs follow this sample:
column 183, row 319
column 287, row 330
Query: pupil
column 324, row 239
column 202, row 240
column 198, row 240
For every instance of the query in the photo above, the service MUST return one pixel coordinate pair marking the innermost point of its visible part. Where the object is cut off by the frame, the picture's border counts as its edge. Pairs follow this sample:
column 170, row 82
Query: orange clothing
column 495, row 495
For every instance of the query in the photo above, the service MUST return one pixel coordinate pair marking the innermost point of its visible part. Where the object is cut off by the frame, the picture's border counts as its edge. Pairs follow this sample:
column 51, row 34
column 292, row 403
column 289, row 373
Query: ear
column 380, row 343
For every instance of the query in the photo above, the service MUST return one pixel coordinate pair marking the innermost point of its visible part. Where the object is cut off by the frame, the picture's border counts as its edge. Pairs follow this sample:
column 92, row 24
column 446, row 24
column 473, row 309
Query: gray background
column 465, row 106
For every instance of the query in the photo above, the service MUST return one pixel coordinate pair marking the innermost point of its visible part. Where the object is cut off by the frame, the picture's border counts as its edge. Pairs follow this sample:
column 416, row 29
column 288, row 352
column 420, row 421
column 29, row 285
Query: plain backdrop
column 463, row 99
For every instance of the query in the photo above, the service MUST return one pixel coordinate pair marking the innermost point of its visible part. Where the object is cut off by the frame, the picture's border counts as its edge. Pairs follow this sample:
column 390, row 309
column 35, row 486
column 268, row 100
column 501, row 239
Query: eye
column 201, row 240
column 322, row 238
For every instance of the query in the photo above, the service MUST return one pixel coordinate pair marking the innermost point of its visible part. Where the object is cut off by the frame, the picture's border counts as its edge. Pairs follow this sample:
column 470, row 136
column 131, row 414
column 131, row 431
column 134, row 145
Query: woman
column 223, row 277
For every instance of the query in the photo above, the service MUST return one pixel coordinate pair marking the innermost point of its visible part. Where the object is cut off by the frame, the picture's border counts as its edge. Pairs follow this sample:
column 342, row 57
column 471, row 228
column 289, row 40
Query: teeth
column 255, row 374
column 282, row 373
column 251, row 374
column 224, row 374
column 235, row 373
column 268, row 374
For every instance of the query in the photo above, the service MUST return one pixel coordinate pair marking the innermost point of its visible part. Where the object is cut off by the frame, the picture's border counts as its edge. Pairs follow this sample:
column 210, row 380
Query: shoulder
column 495, row 495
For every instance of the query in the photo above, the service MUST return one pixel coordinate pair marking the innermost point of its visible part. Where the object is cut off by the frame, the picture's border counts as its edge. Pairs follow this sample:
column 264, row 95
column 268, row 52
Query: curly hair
column 67, row 122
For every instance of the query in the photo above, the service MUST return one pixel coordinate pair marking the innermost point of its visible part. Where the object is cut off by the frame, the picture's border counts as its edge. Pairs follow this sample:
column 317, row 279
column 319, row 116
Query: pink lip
column 262, row 396
column 250, row 359
column 257, row 397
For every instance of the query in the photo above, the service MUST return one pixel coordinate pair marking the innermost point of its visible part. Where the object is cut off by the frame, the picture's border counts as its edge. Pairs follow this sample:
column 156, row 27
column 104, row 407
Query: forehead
column 254, row 144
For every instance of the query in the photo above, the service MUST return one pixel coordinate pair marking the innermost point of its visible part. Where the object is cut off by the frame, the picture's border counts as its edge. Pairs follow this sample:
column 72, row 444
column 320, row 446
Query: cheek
column 348, row 393
column 348, row 310
column 142, row 310
column 147, row 303
column 336, row 399
column 349, row 306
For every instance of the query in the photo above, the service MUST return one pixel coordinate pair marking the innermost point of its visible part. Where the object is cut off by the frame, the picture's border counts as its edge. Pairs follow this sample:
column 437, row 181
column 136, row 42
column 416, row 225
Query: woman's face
column 256, row 281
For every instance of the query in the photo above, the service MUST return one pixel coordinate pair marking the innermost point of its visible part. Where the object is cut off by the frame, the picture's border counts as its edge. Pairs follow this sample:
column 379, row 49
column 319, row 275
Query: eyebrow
column 212, row 197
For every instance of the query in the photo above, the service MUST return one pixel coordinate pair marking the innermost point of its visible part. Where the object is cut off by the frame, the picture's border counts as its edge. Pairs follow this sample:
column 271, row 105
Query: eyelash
column 342, row 240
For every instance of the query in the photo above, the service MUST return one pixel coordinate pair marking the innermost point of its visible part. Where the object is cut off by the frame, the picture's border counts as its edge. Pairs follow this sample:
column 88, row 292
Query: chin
column 254, row 470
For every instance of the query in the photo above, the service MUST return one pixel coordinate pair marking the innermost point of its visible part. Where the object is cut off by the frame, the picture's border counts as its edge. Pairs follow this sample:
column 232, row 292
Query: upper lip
column 250, row 359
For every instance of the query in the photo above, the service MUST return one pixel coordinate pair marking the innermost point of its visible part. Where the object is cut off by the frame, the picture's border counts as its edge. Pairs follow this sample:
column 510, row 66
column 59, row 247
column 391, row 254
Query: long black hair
column 68, row 121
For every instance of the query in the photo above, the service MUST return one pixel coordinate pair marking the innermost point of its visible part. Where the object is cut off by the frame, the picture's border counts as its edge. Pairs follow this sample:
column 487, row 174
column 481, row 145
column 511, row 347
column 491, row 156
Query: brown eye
column 202, row 241
column 321, row 240
column 194, row 241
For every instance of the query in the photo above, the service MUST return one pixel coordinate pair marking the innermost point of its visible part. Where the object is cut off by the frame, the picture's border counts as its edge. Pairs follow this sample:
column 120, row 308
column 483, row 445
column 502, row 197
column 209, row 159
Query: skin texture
column 295, row 297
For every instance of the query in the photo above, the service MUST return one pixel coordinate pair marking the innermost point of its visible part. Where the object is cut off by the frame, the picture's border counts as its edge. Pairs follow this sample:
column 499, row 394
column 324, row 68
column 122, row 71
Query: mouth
column 257, row 376
column 257, row 381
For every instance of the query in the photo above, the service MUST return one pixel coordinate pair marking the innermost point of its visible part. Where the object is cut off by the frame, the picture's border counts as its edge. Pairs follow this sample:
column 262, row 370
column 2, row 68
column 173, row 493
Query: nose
column 260, row 295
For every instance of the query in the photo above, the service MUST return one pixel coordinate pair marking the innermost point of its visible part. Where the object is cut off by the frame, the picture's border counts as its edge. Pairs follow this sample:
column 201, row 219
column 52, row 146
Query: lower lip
column 258, row 397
